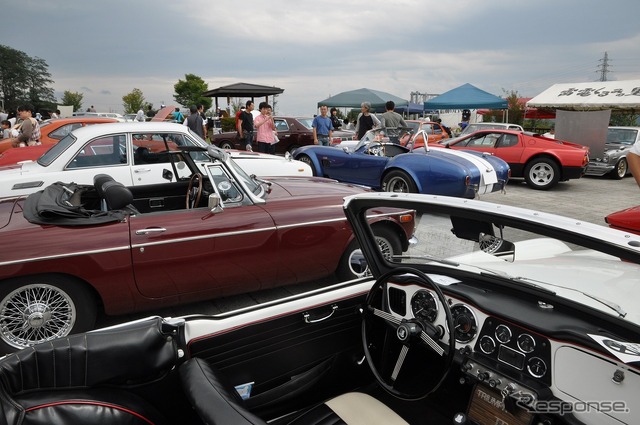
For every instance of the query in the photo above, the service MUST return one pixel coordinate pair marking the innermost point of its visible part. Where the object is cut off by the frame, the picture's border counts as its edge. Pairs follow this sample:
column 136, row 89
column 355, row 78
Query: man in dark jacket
column 194, row 121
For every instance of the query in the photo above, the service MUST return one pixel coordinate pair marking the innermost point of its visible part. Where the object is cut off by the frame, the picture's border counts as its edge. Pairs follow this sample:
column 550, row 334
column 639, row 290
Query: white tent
column 583, row 110
column 592, row 96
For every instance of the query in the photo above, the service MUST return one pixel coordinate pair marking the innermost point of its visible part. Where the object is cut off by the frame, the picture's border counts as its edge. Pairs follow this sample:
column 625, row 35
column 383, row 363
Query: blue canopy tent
column 354, row 98
column 466, row 96
column 411, row 108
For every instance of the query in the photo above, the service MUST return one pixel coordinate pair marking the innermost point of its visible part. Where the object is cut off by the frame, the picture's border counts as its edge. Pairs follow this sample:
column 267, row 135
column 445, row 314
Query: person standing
column 322, row 128
column 92, row 109
column 178, row 116
column 366, row 120
column 335, row 121
column 392, row 122
column 194, row 121
column 245, row 126
column 633, row 159
column 265, row 126
column 29, row 128
column 204, row 120
column 140, row 116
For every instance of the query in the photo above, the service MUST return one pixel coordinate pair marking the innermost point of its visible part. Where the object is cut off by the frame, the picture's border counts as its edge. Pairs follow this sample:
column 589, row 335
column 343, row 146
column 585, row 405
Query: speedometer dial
column 465, row 323
column 424, row 305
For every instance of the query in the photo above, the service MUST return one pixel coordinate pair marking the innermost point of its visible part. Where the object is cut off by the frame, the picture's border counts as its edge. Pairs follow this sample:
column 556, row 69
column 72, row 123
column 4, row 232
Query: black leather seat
column 85, row 378
column 217, row 403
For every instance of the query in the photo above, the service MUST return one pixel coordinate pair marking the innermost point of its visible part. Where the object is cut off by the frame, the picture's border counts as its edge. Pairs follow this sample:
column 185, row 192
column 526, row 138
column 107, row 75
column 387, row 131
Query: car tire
column 42, row 308
column 398, row 181
column 542, row 173
column 352, row 264
column 307, row 160
column 620, row 170
column 226, row 144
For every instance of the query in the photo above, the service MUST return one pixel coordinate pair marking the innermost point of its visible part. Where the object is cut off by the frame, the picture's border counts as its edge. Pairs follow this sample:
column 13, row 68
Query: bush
column 228, row 123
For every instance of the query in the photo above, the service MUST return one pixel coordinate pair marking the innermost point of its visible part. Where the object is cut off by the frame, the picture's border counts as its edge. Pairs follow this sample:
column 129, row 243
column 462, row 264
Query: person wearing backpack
column 178, row 116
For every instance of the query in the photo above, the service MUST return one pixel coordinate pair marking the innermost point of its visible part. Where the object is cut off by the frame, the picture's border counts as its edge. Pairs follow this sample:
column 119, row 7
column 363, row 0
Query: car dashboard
column 524, row 358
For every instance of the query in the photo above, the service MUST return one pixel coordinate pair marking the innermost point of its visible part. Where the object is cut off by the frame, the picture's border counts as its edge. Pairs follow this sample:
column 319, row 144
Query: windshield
column 307, row 122
column 251, row 184
column 622, row 136
column 541, row 260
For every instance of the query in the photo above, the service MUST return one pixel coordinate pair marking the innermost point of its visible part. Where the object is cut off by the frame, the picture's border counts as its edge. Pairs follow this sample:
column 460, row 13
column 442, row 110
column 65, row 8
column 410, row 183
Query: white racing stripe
column 488, row 173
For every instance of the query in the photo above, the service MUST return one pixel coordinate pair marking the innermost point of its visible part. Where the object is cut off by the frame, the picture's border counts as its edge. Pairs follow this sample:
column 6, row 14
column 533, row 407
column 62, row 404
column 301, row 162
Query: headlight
column 605, row 158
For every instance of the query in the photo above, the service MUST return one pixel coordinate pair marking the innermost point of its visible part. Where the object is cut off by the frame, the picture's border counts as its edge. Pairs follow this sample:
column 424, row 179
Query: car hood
column 590, row 278
column 310, row 186
column 616, row 146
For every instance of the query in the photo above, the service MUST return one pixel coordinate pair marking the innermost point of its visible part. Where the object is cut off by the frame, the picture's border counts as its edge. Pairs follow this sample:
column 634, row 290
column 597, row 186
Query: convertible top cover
column 68, row 204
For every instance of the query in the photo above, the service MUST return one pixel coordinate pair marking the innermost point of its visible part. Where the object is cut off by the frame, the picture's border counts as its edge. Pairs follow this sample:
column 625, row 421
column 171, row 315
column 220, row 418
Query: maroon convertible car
column 76, row 249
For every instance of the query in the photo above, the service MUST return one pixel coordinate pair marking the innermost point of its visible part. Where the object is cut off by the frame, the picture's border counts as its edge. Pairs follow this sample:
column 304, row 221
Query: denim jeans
column 323, row 140
column 247, row 138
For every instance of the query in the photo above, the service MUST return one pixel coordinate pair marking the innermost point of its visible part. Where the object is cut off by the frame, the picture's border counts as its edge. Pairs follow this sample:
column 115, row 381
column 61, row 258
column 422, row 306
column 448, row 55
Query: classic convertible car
column 543, row 162
column 79, row 248
column 127, row 152
column 377, row 162
column 499, row 315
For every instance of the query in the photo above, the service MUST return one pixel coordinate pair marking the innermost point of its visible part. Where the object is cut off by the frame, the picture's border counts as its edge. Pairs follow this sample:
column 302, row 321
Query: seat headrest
column 114, row 193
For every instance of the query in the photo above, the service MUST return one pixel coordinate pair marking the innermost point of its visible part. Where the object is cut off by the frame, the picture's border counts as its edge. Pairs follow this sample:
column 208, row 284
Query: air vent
column 398, row 301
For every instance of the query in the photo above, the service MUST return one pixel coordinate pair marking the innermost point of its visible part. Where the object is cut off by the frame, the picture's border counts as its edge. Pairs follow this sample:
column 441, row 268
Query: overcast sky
column 316, row 49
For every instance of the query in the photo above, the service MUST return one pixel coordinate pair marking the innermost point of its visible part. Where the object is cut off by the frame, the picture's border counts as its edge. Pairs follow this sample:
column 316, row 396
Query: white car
column 132, row 153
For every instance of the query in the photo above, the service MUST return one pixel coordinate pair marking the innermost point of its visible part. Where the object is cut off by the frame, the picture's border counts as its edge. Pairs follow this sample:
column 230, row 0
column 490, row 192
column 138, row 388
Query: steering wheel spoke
column 403, row 355
column 387, row 317
column 431, row 343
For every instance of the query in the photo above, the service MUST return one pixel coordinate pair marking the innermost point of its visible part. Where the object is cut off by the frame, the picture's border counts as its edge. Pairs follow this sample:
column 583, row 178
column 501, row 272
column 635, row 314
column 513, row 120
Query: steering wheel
column 406, row 356
column 376, row 149
column 194, row 191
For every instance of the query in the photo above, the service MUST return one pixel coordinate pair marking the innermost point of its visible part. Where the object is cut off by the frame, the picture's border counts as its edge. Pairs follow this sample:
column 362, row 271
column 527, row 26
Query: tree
column 189, row 92
column 134, row 101
column 24, row 79
column 72, row 99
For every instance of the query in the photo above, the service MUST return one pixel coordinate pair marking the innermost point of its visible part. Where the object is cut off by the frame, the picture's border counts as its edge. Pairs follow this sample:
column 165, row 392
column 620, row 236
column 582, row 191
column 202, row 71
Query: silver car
column 614, row 160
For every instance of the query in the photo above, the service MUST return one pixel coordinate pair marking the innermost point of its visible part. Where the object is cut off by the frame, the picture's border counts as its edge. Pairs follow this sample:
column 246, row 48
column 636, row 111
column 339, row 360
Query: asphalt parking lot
column 587, row 199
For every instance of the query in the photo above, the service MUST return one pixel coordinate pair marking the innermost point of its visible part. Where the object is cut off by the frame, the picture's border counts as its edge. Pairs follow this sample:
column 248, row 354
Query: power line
column 603, row 68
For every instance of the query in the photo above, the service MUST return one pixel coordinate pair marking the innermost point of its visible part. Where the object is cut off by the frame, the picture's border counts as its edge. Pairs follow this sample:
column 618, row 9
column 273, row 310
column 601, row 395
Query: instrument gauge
column 487, row 344
column 503, row 334
column 465, row 323
column 536, row 367
column 526, row 343
column 424, row 305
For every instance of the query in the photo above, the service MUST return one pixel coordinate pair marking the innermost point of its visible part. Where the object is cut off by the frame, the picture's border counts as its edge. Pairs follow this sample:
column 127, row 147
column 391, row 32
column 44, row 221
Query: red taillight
column 406, row 218
column 467, row 181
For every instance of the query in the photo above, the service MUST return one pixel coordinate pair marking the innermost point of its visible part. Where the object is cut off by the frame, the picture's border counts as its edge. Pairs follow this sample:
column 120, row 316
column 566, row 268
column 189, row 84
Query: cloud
column 316, row 49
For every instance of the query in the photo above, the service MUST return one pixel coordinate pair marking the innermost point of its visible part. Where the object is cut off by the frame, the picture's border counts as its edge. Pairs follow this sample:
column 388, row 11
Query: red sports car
column 627, row 220
column 75, row 249
column 543, row 162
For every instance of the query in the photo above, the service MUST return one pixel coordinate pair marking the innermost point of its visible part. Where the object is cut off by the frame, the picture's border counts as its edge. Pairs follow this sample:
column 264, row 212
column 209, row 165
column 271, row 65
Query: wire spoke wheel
column 35, row 313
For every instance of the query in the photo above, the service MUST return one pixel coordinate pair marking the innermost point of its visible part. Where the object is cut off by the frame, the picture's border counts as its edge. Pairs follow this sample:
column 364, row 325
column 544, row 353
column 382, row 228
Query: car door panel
column 195, row 251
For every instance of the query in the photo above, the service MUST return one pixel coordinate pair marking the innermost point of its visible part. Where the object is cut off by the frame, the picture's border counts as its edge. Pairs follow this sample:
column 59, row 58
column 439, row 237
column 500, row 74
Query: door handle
column 150, row 230
column 142, row 170
column 308, row 319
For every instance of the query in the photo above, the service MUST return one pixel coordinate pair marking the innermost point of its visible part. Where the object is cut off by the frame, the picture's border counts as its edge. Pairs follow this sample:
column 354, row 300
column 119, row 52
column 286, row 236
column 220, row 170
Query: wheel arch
column 411, row 173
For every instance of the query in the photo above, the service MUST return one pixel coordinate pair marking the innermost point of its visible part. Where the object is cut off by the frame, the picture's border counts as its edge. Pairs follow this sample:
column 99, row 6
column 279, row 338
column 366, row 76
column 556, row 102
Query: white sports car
column 496, row 315
column 132, row 153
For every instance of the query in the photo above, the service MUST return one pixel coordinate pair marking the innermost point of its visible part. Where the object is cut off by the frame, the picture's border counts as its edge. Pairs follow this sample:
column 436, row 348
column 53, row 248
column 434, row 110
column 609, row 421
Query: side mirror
column 215, row 204
column 167, row 175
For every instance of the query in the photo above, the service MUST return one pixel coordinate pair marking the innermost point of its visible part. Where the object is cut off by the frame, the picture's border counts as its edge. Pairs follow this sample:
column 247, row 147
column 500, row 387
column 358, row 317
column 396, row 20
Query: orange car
column 434, row 130
column 52, row 131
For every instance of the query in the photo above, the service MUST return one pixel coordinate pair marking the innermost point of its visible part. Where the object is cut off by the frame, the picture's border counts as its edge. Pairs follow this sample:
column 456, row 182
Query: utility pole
column 603, row 68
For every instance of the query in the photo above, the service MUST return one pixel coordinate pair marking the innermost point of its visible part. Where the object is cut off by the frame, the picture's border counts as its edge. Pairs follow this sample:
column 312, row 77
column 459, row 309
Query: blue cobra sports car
column 377, row 162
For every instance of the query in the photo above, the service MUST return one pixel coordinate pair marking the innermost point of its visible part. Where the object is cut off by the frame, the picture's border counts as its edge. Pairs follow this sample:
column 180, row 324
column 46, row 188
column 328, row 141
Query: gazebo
column 244, row 90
